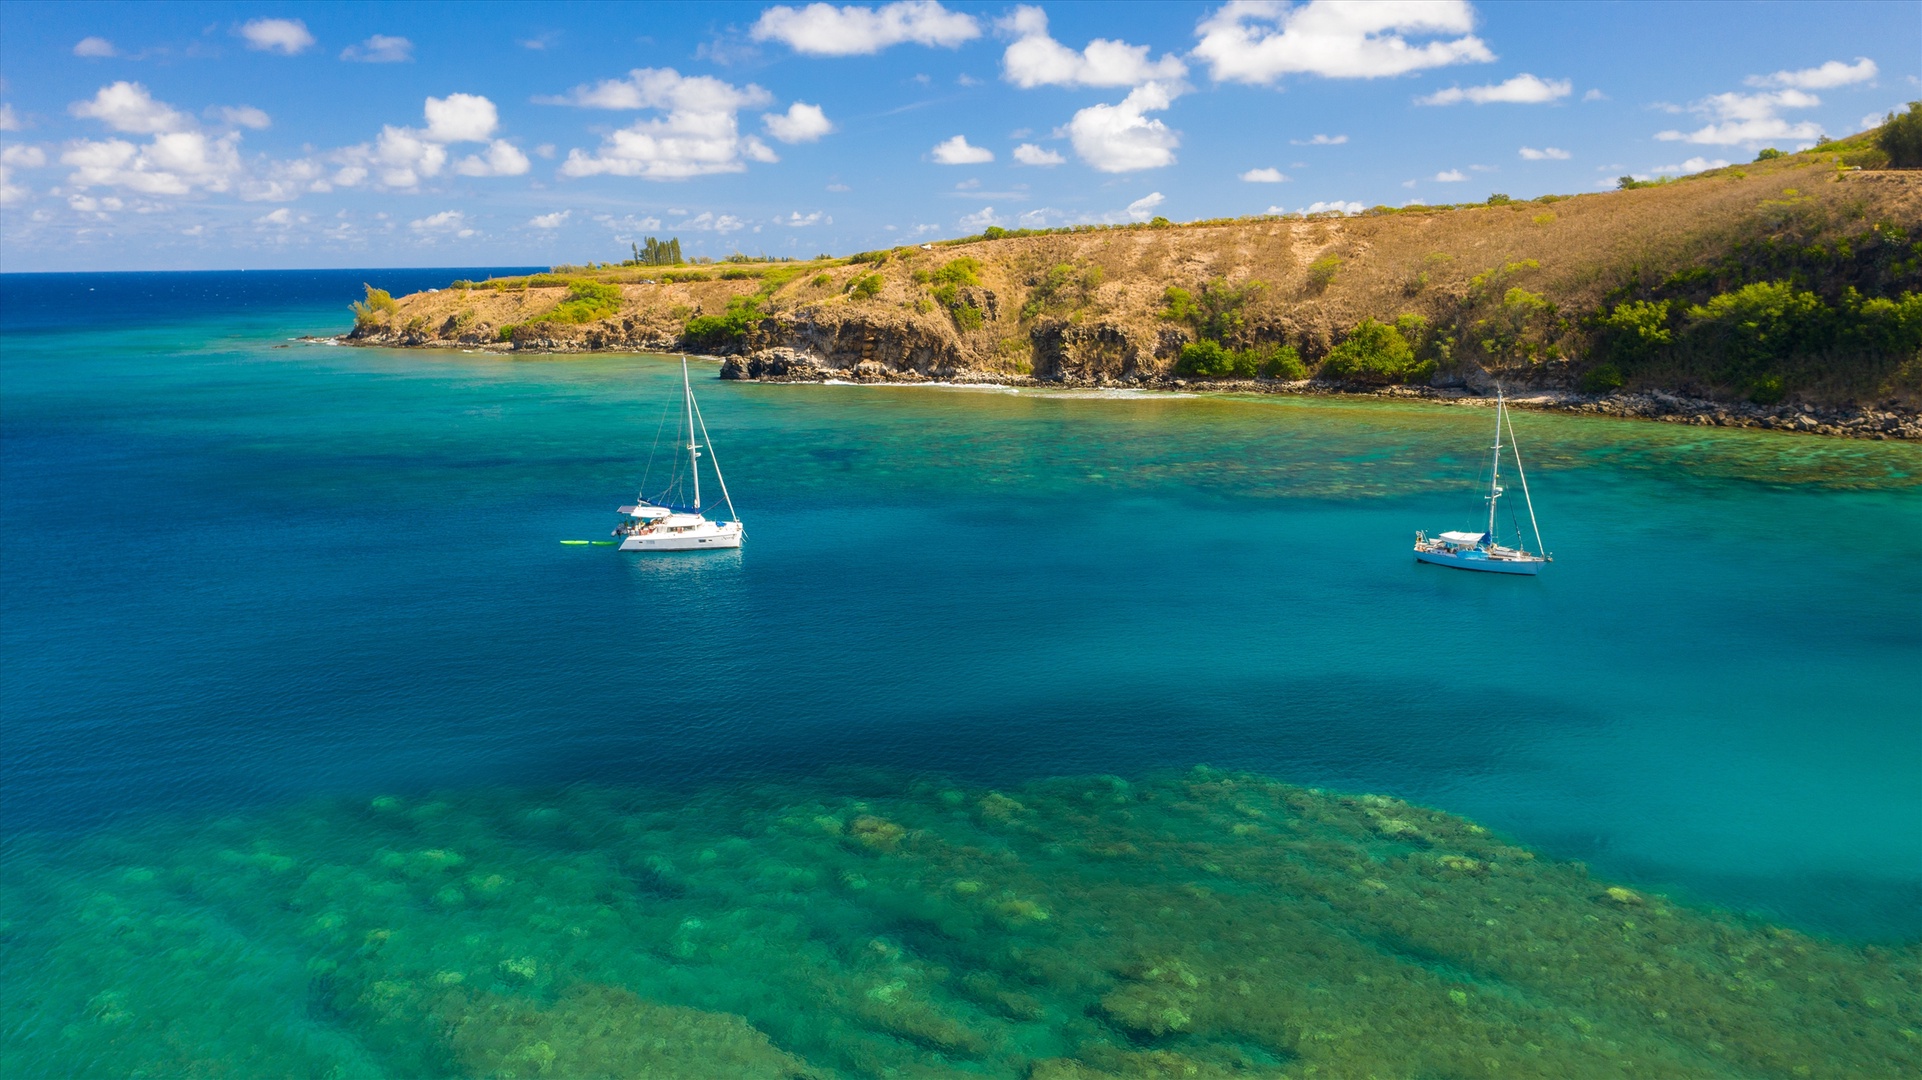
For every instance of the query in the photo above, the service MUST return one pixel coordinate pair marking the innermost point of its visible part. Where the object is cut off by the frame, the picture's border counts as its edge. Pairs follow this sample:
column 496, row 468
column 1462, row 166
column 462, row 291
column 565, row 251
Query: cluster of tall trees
column 657, row 253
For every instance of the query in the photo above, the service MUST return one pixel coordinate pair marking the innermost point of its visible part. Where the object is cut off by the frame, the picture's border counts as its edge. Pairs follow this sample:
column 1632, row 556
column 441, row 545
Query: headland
column 1785, row 293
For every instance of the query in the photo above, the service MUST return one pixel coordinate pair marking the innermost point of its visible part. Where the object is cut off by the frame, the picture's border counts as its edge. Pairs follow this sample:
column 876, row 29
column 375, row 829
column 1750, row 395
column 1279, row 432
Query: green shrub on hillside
column 1061, row 286
column 377, row 308
column 962, row 271
column 1321, row 272
column 948, row 281
column 1177, row 304
column 1217, row 313
column 1375, row 352
column 1901, row 138
column 1210, row 359
column 866, row 287
column 1767, row 339
column 1760, row 323
column 725, row 330
column 1635, row 329
column 587, row 301
column 1603, row 378
column 1523, row 326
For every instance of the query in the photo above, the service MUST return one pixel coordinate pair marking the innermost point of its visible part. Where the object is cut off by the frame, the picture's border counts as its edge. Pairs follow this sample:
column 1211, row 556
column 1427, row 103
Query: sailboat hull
column 1479, row 560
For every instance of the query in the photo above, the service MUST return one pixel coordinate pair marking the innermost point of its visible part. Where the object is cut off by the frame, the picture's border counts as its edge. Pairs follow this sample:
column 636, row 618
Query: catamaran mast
column 693, row 448
column 725, row 498
column 1495, row 476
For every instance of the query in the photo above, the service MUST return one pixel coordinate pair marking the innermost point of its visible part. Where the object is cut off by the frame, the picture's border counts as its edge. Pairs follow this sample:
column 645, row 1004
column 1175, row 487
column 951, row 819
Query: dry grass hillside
column 1799, row 276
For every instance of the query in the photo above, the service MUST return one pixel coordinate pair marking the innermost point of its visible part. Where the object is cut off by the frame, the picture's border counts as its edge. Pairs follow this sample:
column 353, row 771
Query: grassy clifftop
column 1797, row 277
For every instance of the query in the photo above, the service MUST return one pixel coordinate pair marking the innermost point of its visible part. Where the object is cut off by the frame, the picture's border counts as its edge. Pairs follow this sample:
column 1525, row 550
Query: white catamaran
column 1482, row 551
column 659, row 525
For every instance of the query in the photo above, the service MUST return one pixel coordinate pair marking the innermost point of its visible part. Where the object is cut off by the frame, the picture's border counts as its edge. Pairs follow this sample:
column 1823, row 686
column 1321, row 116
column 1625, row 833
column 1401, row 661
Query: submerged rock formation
column 1207, row 924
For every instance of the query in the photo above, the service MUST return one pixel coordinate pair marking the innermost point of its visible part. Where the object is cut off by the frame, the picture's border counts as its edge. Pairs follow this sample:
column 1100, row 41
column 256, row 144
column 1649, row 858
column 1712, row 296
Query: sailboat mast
column 1495, row 473
column 1516, row 446
column 693, row 449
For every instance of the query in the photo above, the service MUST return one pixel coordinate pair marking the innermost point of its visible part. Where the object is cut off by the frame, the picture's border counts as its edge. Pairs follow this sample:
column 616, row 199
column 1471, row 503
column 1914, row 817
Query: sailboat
column 1481, row 551
column 660, row 526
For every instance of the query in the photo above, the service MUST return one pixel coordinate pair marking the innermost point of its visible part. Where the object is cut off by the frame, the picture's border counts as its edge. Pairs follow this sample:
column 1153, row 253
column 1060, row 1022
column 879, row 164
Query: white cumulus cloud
column 1751, row 119
column 1547, row 153
column 980, row 219
column 1259, row 41
column 1320, row 140
column 285, row 36
column 1325, row 207
column 243, row 116
column 711, row 222
column 698, row 133
column 1823, row 77
column 461, row 118
column 798, row 220
column 97, row 47
column 444, row 223
column 401, row 157
column 282, row 217
column 1264, row 176
column 174, row 163
column 282, row 181
column 801, row 123
column 10, row 192
column 1523, row 89
column 501, row 158
column 1451, row 176
column 380, row 49
column 1122, row 137
column 1036, row 59
column 23, row 157
column 1144, row 208
column 1030, row 154
column 1692, row 165
column 551, row 221
column 127, row 106
column 957, row 151
column 827, row 30
column 10, row 120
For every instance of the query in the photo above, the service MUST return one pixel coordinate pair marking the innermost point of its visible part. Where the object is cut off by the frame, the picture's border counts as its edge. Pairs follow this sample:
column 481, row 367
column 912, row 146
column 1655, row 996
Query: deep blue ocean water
column 241, row 571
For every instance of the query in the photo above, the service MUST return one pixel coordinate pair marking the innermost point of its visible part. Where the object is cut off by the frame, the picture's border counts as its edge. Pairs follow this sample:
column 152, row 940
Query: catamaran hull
column 1478, row 561
column 703, row 537
column 680, row 543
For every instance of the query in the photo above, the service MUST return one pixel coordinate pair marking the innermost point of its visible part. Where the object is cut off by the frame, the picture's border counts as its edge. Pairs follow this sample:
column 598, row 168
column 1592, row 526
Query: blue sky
column 190, row 136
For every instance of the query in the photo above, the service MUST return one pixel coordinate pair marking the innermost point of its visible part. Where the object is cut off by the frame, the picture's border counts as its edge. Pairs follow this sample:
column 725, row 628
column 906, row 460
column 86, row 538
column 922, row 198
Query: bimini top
column 645, row 511
column 1462, row 539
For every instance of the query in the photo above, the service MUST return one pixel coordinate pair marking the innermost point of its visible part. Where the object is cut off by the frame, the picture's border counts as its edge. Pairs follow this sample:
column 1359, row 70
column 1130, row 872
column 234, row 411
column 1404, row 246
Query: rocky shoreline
column 791, row 366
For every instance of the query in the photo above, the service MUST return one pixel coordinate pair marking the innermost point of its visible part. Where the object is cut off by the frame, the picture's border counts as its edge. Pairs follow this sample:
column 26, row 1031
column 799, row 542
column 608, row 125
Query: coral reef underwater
column 1200, row 925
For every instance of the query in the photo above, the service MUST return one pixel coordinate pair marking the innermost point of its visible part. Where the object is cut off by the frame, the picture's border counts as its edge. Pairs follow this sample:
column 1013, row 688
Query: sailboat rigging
column 657, row 524
column 1482, row 551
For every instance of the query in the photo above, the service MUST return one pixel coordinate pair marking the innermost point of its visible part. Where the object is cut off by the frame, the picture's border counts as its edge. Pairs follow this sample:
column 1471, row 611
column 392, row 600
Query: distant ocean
column 246, row 577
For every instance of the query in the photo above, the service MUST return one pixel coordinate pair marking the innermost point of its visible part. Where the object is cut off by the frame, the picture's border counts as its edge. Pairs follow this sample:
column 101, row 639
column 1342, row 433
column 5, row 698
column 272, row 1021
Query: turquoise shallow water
column 242, row 578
